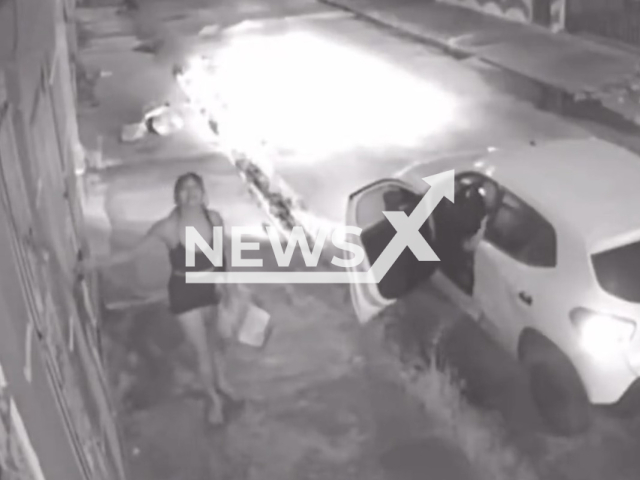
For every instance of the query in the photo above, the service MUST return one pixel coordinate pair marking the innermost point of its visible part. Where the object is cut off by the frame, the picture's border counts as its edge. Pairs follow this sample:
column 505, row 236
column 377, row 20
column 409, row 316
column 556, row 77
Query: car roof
column 590, row 185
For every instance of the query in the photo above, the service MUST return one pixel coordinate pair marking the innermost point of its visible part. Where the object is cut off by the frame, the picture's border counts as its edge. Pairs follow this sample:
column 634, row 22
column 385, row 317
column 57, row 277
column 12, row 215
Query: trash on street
column 163, row 120
column 133, row 132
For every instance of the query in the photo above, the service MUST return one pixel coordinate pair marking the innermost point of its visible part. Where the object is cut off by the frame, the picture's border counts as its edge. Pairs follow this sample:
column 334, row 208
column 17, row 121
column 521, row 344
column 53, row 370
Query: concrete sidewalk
column 188, row 17
column 571, row 66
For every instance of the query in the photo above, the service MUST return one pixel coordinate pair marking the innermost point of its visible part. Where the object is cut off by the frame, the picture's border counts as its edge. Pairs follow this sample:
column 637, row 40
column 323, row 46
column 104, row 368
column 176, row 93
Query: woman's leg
column 217, row 354
column 194, row 327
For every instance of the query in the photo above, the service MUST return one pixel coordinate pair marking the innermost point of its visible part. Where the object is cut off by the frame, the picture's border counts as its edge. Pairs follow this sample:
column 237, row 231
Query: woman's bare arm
column 156, row 233
column 471, row 244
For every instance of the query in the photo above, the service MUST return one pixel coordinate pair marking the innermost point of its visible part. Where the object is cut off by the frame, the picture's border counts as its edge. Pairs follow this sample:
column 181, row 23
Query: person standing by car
column 459, row 227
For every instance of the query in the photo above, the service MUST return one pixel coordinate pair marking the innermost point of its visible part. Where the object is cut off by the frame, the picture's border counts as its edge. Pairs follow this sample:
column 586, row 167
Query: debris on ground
column 133, row 132
column 165, row 121
column 162, row 120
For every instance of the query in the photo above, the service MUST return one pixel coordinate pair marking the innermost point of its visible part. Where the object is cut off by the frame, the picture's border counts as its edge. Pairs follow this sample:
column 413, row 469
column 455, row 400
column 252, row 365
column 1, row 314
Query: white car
column 556, row 277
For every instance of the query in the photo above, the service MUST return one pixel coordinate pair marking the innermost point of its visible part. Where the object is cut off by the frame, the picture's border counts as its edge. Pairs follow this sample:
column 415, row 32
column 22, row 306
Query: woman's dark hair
column 182, row 179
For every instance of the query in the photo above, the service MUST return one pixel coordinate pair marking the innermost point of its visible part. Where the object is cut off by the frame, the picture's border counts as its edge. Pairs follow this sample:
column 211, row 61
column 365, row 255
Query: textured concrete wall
column 25, row 394
column 41, row 232
column 515, row 10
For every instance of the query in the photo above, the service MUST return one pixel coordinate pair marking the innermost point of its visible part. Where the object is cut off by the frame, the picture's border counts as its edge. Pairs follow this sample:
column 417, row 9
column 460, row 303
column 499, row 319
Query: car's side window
column 522, row 233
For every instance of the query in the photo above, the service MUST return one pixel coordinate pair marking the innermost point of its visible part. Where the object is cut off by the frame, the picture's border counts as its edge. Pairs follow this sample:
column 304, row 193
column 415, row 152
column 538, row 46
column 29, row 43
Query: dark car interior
column 407, row 272
column 453, row 227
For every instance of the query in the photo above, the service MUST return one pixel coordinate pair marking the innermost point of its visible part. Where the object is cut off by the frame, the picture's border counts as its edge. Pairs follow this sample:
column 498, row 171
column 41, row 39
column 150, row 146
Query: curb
column 381, row 21
column 554, row 98
column 442, row 45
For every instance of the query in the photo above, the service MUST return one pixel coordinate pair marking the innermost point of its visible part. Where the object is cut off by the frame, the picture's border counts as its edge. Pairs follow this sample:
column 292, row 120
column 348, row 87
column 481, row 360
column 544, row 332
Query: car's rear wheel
column 556, row 388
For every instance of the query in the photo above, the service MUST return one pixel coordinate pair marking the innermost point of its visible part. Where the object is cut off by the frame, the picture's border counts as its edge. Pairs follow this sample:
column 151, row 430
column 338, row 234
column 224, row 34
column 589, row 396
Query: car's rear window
column 618, row 271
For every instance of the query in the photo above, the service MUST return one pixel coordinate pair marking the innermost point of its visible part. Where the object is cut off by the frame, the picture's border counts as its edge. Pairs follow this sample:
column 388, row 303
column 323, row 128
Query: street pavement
column 341, row 103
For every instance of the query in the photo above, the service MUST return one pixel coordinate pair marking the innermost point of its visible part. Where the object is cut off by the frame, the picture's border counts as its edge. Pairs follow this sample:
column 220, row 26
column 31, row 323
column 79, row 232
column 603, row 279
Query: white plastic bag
column 166, row 122
column 133, row 132
column 240, row 319
column 256, row 327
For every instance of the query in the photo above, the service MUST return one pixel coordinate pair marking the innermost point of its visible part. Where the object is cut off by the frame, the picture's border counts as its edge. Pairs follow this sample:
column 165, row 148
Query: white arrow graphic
column 408, row 235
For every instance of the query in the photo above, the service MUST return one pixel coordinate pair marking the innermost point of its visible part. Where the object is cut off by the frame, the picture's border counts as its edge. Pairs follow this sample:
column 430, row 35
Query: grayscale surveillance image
column 320, row 239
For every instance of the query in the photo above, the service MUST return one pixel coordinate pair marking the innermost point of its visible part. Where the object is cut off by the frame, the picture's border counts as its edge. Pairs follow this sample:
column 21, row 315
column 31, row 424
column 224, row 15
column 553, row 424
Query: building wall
column 515, row 10
column 617, row 20
column 51, row 324
column 24, row 383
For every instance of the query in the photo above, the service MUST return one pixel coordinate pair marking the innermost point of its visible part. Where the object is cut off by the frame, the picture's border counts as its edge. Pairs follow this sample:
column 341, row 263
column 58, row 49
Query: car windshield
column 618, row 271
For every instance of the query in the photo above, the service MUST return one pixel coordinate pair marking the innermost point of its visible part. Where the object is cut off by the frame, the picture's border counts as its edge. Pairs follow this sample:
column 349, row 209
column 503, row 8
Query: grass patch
column 479, row 435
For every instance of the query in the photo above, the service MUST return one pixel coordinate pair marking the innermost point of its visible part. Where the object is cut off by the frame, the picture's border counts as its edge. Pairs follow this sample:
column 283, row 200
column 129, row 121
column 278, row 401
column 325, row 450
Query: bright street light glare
column 305, row 93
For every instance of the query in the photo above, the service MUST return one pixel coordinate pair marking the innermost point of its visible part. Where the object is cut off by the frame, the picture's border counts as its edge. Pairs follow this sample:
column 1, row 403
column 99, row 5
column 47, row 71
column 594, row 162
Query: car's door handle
column 525, row 297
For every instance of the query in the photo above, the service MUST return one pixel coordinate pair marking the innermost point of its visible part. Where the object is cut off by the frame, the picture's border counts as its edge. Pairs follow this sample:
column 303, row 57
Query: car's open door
column 365, row 210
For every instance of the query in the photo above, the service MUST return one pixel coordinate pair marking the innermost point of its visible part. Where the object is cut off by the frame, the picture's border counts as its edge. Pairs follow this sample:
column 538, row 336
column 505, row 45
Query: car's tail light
column 599, row 331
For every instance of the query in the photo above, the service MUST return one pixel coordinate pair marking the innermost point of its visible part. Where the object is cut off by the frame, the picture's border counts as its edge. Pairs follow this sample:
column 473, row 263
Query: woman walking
column 193, row 304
